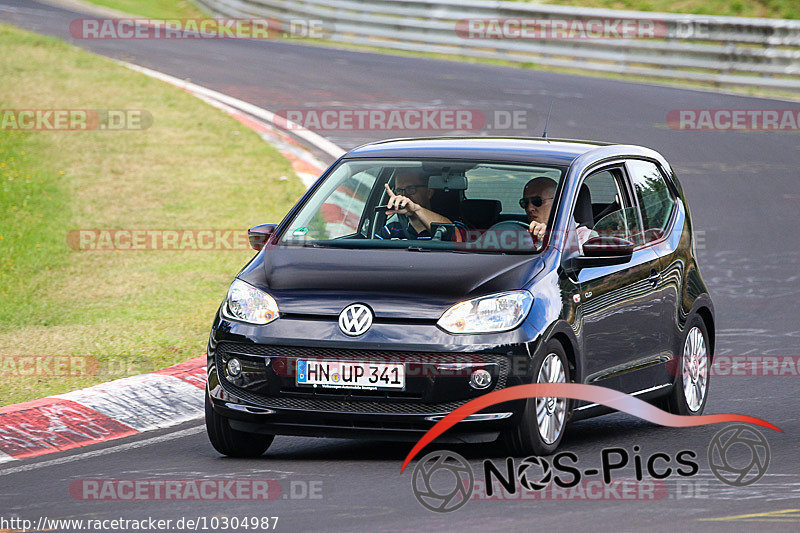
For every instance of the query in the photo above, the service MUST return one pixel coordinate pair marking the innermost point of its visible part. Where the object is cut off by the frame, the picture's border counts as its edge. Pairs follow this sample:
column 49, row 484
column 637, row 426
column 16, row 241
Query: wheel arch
column 708, row 319
column 562, row 332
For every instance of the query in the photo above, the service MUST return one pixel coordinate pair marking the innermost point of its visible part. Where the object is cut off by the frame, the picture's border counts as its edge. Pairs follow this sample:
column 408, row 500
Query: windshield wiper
column 417, row 249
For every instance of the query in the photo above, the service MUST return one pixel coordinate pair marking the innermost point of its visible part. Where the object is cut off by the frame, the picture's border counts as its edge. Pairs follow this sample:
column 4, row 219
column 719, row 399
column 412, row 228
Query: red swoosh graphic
column 576, row 391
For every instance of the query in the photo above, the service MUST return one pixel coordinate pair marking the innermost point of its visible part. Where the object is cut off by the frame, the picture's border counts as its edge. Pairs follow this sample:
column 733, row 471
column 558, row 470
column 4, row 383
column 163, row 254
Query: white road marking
column 105, row 451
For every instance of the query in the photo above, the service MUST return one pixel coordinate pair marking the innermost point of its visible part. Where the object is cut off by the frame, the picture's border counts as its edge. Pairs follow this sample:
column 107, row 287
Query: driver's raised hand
column 537, row 230
column 399, row 204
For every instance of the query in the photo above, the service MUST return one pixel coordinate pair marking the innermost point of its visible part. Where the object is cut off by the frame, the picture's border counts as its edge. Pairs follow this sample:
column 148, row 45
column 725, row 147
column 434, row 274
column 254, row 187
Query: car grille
column 364, row 401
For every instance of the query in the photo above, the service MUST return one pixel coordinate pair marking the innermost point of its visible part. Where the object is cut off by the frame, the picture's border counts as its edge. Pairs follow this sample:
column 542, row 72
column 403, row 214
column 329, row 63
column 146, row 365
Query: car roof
column 560, row 152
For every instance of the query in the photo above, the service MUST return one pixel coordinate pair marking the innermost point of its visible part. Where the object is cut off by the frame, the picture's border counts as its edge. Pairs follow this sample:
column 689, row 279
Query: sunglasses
column 411, row 189
column 537, row 201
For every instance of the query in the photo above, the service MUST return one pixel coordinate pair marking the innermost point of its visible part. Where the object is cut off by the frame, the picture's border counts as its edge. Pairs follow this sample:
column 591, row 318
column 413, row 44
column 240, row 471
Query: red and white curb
column 103, row 412
column 161, row 399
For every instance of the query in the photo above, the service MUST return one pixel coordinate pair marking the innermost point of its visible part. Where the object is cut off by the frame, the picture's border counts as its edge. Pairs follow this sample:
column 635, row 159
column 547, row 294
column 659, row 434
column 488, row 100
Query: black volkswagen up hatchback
column 418, row 274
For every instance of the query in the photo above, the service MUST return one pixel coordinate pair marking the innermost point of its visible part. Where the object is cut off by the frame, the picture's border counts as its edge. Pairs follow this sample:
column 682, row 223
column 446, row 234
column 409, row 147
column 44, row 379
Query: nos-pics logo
column 444, row 481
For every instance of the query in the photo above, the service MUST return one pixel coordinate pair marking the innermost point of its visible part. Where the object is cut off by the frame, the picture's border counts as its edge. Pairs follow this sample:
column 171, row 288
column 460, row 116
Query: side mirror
column 608, row 246
column 260, row 235
column 601, row 251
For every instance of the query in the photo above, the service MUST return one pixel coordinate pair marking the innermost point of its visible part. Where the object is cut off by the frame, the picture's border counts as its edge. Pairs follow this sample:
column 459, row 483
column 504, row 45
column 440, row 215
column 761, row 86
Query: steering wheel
column 510, row 224
column 501, row 232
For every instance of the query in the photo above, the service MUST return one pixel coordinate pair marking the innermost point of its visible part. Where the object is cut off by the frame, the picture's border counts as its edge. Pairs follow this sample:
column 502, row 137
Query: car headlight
column 488, row 314
column 248, row 304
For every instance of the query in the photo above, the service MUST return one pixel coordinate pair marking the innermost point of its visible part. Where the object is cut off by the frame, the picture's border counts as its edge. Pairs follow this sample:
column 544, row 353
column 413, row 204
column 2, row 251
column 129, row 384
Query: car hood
column 394, row 283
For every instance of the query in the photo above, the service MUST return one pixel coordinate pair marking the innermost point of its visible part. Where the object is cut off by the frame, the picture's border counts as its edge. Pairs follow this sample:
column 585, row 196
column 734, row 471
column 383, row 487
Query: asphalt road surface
column 744, row 194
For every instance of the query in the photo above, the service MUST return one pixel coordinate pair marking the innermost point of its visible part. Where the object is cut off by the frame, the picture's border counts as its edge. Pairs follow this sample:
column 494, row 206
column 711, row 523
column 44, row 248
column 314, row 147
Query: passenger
column 411, row 197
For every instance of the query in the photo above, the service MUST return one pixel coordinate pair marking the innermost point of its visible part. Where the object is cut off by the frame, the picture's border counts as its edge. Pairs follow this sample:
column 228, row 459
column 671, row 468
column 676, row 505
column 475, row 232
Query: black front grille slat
column 377, row 320
column 365, row 406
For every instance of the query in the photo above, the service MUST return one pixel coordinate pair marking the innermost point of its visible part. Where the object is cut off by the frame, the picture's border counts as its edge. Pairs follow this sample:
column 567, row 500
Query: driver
column 537, row 200
column 411, row 197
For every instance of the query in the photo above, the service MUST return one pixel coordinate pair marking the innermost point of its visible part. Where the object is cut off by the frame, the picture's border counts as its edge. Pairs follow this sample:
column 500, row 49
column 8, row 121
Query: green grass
column 156, row 9
column 194, row 168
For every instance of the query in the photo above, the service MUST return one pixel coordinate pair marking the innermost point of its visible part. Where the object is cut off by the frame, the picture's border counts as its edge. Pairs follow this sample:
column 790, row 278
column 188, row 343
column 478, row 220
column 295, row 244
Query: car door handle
column 654, row 277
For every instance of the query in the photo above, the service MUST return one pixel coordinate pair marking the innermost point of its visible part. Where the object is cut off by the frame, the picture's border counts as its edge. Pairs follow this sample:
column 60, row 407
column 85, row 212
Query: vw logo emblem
column 355, row 319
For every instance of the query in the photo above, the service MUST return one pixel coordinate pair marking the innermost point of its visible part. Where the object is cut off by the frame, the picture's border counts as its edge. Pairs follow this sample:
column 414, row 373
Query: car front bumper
column 265, row 397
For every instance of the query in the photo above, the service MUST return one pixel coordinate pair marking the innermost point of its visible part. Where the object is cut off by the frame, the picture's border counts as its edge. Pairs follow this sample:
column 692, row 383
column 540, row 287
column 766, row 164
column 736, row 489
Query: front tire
column 544, row 419
column 690, row 392
column 230, row 442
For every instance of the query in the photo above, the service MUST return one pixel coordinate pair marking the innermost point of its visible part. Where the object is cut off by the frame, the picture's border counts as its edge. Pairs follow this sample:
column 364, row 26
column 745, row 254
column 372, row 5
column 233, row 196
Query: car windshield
column 470, row 206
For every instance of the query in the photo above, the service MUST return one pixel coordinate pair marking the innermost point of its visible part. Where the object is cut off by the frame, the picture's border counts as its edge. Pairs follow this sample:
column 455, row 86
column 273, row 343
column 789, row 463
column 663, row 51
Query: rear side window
column 655, row 198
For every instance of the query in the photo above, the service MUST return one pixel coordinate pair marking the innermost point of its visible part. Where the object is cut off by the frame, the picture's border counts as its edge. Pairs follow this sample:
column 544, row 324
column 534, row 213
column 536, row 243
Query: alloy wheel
column 551, row 411
column 695, row 369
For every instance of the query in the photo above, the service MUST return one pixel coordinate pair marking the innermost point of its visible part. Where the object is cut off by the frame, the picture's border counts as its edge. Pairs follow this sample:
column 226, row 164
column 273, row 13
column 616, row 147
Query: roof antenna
column 547, row 122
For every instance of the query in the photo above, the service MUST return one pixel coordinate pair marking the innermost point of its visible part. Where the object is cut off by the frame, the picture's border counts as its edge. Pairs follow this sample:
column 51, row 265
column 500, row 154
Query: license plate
column 351, row 375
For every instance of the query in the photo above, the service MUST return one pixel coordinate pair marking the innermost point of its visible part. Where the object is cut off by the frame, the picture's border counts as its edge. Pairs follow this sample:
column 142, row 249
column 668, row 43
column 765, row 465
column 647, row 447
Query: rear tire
column 542, row 434
column 230, row 442
column 690, row 392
